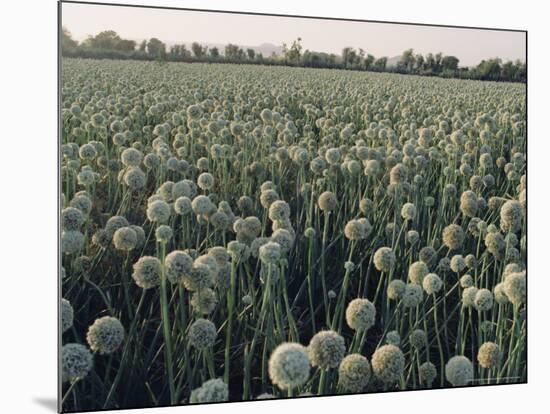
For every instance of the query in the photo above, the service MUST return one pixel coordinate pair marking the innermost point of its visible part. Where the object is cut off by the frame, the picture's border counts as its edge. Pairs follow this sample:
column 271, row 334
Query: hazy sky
column 380, row 39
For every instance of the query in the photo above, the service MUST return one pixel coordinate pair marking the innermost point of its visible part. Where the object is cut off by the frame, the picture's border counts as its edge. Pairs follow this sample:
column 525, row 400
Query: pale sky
column 379, row 39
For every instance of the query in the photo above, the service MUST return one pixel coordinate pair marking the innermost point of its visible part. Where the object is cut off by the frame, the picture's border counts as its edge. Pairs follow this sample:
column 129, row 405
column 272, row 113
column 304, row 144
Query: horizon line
column 180, row 42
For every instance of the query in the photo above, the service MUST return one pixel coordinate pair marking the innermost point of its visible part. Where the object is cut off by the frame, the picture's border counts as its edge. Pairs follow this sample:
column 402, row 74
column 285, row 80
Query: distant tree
column 513, row 71
column 307, row 58
column 315, row 59
column 198, row 50
column 125, row 45
column 178, row 52
column 419, row 60
column 508, row 70
column 360, row 59
column 233, row 53
column 174, row 52
column 214, row 53
column 349, row 57
column 430, row 62
column 68, row 44
column 106, row 40
column 407, row 60
column 369, row 60
column 489, row 69
column 449, row 63
column 108, row 44
column 293, row 54
column 437, row 62
column 156, row 49
column 465, row 73
column 380, row 63
column 185, row 54
column 521, row 71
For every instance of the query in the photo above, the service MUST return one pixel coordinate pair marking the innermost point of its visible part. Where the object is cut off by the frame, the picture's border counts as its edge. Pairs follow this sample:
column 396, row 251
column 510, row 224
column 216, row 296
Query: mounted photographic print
column 259, row 206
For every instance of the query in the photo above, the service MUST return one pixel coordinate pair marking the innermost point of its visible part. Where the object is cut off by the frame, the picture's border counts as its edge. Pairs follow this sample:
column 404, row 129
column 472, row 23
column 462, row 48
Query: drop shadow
column 47, row 402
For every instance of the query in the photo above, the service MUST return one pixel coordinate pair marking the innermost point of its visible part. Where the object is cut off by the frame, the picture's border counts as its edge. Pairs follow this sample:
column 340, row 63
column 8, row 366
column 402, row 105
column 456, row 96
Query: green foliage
column 380, row 64
column 407, row 60
column 199, row 51
column 293, row 53
column 234, row 53
column 109, row 45
column 214, row 53
column 156, row 49
column 68, row 45
column 109, row 40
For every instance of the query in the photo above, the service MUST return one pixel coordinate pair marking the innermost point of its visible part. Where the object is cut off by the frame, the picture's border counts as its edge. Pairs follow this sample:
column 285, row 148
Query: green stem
column 168, row 363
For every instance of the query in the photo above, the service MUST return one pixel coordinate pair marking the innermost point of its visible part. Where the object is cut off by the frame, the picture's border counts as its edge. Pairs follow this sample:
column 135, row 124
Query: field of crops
column 234, row 232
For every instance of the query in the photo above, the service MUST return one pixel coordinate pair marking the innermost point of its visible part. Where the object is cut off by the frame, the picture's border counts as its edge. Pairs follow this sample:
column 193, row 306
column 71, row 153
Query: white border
column 28, row 207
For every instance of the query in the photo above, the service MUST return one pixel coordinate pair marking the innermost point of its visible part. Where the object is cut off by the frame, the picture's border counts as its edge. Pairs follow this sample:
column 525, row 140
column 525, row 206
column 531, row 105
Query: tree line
column 109, row 45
